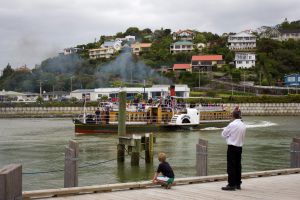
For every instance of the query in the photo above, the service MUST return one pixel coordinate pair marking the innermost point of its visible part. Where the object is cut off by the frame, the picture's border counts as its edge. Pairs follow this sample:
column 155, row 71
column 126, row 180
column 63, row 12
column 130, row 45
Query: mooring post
column 147, row 148
column 121, row 125
column 201, row 158
column 71, row 164
column 11, row 182
column 295, row 153
column 135, row 154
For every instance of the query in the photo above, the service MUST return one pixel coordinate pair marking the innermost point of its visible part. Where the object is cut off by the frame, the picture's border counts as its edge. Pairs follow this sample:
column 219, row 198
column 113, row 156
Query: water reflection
column 38, row 144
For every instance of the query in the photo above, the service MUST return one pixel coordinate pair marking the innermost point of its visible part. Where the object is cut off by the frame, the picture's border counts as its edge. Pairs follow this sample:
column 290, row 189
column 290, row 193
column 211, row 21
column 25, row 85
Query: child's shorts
column 165, row 179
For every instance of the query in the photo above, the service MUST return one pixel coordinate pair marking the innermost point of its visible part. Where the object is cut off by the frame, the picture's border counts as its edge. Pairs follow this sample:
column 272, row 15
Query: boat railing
column 131, row 118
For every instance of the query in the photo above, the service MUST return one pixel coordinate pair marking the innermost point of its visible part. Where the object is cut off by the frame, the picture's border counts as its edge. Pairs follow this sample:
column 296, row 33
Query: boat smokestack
column 172, row 90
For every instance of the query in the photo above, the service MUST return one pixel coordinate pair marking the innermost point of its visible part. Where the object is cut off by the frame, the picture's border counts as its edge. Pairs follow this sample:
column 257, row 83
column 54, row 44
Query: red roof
column 181, row 66
column 207, row 57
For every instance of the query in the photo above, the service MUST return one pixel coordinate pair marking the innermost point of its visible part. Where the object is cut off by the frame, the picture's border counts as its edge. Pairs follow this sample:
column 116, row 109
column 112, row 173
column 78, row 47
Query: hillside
column 274, row 60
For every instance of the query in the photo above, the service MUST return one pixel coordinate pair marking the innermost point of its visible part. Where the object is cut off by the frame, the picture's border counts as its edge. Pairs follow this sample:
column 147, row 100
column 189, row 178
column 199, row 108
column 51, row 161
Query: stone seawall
column 267, row 109
column 248, row 109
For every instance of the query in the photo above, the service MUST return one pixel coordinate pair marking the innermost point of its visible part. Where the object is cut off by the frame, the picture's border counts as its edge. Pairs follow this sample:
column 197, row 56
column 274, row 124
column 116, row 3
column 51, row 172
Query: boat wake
column 259, row 124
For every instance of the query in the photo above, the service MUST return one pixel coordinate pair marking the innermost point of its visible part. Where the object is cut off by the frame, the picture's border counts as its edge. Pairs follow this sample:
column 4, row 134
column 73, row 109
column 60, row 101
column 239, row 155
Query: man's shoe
column 227, row 187
column 238, row 187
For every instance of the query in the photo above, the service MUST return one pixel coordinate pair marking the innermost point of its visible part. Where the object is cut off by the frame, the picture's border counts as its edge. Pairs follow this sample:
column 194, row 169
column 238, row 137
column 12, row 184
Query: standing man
column 234, row 134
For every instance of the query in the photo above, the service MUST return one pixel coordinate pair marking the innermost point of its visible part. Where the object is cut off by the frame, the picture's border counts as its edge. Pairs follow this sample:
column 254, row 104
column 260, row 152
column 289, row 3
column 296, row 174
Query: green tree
column 7, row 71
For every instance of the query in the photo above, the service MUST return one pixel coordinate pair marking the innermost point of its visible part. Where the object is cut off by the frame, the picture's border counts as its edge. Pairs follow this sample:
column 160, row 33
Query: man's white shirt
column 234, row 133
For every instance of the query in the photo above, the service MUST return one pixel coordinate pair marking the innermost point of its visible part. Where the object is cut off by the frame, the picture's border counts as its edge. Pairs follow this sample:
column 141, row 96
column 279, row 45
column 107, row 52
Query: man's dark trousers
column 234, row 166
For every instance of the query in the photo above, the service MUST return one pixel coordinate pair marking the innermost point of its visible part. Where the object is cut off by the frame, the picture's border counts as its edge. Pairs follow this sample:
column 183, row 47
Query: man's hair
column 162, row 157
column 236, row 114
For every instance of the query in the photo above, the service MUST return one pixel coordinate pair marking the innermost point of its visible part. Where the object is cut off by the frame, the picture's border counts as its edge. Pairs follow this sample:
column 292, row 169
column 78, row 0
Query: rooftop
column 183, row 43
column 181, row 66
column 207, row 57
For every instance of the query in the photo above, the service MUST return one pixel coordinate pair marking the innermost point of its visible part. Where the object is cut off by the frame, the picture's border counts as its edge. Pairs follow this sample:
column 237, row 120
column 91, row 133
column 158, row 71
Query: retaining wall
column 267, row 109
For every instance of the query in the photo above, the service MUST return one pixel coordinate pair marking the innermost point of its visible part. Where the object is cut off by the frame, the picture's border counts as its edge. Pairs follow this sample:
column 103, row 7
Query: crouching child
column 164, row 174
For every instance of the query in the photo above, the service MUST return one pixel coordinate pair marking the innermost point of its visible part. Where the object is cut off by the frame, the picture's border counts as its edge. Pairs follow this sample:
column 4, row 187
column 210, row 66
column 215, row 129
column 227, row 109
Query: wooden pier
column 275, row 184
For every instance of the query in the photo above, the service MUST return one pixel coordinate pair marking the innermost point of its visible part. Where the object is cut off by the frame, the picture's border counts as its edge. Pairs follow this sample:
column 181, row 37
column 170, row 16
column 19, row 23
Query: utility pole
column 244, row 82
column 199, row 77
column 144, row 90
column 71, row 83
column 231, row 86
column 40, row 82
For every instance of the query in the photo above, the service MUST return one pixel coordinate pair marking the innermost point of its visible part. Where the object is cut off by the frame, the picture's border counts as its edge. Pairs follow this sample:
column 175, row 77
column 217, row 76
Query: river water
column 38, row 144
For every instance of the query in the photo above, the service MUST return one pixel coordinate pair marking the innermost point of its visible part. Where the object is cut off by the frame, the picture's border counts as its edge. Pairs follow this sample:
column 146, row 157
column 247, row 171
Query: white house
column 153, row 92
column 244, row 60
column 181, row 46
column 289, row 34
column 183, row 35
column 242, row 42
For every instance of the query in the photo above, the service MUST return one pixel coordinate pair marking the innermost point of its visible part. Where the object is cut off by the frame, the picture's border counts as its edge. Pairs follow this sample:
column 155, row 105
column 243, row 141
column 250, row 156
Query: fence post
column 295, row 153
column 11, row 182
column 201, row 158
column 71, row 164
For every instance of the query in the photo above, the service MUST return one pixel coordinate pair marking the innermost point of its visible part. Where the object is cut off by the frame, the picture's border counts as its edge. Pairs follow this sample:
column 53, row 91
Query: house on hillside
column 183, row 35
column 182, row 67
column 289, row 34
column 71, row 50
column 102, row 52
column 242, row 41
column 138, row 48
column 117, row 45
column 292, row 80
column 206, row 62
column 181, row 46
column 244, row 60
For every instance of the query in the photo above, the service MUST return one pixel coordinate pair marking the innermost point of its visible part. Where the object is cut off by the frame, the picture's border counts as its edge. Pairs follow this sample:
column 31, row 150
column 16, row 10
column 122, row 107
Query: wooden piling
column 11, row 182
column 135, row 154
column 147, row 148
column 71, row 164
column 121, row 125
column 295, row 153
column 201, row 158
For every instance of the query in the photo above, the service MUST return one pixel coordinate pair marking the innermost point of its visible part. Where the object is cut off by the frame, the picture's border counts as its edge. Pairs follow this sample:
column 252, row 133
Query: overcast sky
column 32, row 30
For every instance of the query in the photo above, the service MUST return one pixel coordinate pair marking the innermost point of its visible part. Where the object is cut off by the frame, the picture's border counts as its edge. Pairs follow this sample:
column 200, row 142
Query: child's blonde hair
column 162, row 157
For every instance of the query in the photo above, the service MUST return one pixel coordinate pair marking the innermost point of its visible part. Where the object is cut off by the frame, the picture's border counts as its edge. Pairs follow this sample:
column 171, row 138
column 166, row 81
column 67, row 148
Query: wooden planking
column 145, row 184
column 269, row 188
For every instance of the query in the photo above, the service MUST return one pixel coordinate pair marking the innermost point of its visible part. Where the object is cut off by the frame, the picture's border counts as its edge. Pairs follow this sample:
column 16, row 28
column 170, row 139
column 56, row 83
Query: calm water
column 38, row 144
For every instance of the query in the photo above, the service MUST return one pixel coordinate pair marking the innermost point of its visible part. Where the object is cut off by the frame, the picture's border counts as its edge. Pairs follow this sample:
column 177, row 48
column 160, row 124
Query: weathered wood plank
column 286, row 187
column 146, row 184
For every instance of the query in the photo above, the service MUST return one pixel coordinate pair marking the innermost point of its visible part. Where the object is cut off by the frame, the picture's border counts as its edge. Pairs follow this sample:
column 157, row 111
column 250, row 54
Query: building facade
column 138, row 48
column 292, row 80
column 103, row 52
column 182, row 67
column 242, row 42
column 154, row 92
column 289, row 34
column 206, row 62
column 181, row 46
column 183, row 35
column 244, row 60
